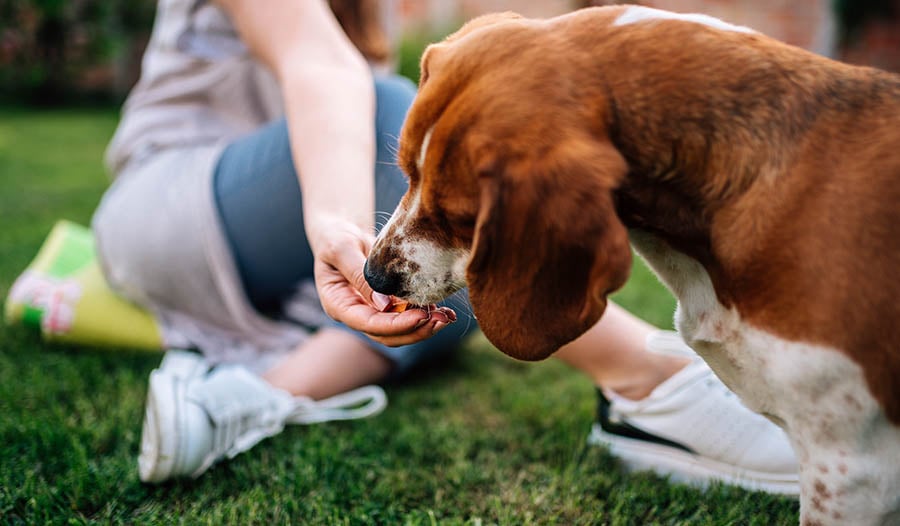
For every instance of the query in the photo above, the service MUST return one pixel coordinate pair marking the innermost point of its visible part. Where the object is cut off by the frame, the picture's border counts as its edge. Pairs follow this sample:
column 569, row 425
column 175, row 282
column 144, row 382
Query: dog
column 761, row 182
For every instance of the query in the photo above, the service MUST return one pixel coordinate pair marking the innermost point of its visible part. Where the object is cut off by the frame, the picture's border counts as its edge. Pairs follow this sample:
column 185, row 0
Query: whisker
column 394, row 145
column 462, row 308
column 386, row 215
column 381, row 219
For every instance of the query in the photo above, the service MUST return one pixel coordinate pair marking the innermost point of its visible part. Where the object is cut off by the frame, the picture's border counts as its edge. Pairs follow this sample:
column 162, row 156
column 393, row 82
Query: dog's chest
column 764, row 369
column 715, row 332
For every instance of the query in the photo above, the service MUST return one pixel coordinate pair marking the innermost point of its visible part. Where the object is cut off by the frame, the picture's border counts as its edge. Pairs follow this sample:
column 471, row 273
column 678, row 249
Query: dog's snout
column 382, row 280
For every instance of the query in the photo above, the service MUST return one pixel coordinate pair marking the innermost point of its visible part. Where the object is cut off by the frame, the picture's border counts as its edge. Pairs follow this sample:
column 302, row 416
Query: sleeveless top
column 199, row 85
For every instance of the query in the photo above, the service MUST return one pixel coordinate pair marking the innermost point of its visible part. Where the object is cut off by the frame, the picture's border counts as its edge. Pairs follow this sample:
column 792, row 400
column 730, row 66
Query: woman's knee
column 394, row 93
column 112, row 226
column 393, row 97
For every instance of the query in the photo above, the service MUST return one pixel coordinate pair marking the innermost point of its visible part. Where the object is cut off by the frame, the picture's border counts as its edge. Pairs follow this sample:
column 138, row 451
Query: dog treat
column 397, row 305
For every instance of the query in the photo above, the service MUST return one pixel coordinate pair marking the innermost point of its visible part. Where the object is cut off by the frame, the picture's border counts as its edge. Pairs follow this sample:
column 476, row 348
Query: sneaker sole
column 681, row 466
column 158, row 457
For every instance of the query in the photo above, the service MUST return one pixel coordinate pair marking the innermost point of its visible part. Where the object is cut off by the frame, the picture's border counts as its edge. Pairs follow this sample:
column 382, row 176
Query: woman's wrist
column 326, row 232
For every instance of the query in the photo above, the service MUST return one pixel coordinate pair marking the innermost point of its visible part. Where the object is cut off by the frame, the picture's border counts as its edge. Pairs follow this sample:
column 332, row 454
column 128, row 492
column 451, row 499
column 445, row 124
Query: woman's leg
column 614, row 354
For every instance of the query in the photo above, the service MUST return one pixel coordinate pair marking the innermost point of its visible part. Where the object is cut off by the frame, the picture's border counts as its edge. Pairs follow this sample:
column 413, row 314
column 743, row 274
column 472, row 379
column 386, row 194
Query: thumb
column 350, row 261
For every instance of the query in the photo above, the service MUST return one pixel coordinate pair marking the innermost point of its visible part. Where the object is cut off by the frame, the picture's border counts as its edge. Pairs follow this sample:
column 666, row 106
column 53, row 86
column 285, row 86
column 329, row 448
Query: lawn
column 480, row 440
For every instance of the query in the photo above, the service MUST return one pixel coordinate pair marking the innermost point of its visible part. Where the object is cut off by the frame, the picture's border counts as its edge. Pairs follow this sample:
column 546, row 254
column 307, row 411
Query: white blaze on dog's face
column 422, row 252
column 420, row 270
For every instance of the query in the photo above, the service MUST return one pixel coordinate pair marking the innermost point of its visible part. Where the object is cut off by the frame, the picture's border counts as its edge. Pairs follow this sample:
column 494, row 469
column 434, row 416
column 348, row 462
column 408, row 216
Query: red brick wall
column 810, row 24
column 806, row 23
column 539, row 8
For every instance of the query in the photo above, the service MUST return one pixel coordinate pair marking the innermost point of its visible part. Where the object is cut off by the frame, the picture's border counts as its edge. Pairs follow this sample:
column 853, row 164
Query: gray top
column 199, row 85
column 199, row 90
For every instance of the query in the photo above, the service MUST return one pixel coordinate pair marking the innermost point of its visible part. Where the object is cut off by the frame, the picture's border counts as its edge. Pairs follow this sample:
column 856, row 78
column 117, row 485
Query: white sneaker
column 694, row 430
column 196, row 417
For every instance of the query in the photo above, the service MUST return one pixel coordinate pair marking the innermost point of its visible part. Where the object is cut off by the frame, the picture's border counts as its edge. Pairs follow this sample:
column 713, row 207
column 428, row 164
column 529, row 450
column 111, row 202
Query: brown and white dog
column 761, row 182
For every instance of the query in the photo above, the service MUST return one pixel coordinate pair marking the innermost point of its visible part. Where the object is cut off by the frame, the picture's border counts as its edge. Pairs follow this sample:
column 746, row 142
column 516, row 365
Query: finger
column 450, row 313
column 364, row 318
column 342, row 303
column 381, row 301
column 350, row 261
column 389, row 324
column 429, row 329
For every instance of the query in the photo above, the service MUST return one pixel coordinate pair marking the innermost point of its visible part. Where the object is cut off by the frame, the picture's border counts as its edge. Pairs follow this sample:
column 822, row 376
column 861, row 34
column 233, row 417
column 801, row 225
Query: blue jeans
column 258, row 198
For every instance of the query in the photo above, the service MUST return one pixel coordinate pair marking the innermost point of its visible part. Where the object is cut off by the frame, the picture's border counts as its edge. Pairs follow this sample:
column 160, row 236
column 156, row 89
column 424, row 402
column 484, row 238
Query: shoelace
column 358, row 403
column 239, row 435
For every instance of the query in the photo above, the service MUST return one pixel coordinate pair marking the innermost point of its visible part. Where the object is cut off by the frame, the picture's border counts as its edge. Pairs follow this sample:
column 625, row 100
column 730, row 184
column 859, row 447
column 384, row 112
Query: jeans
column 258, row 198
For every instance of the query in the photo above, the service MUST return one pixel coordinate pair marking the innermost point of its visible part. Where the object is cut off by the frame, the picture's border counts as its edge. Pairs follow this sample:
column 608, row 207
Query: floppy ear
column 548, row 248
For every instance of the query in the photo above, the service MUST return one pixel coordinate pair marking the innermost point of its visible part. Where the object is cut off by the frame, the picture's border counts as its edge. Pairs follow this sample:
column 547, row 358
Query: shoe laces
column 359, row 403
column 238, row 432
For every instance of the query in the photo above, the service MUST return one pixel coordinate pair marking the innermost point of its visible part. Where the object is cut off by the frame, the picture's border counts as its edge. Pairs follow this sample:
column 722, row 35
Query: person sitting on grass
column 251, row 157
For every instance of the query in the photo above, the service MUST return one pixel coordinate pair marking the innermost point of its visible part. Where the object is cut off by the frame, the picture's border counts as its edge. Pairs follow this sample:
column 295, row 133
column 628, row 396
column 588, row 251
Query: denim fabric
column 258, row 198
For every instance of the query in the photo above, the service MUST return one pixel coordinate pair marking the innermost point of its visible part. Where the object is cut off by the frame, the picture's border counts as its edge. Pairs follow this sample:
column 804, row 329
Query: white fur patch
column 636, row 14
column 849, row 452
column 426, row 140
column 431, row 272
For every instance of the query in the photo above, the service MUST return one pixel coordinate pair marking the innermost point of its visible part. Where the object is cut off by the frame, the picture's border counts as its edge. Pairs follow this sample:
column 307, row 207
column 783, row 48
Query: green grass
column 480, row 440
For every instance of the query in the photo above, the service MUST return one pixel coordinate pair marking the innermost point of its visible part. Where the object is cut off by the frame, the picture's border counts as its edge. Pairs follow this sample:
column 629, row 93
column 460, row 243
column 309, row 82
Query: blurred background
column 58, row 52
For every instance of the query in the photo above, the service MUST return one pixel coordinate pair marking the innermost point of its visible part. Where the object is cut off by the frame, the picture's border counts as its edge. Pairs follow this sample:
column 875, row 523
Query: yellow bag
column 63, row 294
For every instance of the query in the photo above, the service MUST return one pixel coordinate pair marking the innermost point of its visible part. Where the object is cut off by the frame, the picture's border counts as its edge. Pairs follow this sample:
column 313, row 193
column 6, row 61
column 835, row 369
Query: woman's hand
column 341, row 252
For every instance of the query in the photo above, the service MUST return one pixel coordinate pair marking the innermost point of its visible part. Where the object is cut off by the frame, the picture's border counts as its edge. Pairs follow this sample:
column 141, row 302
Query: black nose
column 383, row 281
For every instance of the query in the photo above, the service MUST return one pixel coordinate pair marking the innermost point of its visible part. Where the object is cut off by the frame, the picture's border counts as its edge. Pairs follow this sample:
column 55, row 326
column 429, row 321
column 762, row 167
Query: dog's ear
column 548, row 247
column 488, row 20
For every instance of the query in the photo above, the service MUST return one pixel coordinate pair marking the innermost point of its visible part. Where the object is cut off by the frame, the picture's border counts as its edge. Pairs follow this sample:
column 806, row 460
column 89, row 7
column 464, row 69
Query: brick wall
column 810, row 24
column 807, row 23
column 437, row 15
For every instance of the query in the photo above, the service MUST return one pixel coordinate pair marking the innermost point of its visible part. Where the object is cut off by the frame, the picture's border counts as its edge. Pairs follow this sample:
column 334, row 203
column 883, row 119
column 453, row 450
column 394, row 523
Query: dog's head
column 511, row 189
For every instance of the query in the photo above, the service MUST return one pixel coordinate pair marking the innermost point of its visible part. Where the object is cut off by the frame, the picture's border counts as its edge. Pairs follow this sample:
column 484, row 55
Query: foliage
column 49, row 48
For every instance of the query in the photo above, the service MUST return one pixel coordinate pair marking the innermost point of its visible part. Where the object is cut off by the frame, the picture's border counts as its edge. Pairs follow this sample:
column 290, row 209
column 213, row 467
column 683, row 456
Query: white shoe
column 694, row 430
column 196, row 417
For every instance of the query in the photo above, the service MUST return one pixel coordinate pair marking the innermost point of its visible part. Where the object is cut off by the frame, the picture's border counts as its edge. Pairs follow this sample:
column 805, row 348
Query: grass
column 481, row 440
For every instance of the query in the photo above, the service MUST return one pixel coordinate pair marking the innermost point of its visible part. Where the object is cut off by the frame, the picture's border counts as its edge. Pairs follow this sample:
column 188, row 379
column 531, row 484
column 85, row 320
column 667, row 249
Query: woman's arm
column 329, row 102
column 330, row 105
